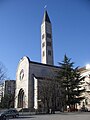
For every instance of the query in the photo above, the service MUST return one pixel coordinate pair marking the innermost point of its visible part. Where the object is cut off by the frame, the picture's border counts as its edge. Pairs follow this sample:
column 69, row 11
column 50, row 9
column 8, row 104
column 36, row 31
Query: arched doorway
column 21, row 98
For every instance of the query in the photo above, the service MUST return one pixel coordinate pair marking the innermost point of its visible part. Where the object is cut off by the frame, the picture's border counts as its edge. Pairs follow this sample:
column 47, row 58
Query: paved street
column 61, row 116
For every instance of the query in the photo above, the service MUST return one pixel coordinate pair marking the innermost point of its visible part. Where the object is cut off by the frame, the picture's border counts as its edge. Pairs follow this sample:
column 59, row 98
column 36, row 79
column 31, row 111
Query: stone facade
column 22, row 80
column 85, row 72
column 25, row 80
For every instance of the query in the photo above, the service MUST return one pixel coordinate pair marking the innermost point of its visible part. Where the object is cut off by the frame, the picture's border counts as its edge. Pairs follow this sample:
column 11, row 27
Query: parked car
column 9, row 113
column 84, row 109
column 2, row 117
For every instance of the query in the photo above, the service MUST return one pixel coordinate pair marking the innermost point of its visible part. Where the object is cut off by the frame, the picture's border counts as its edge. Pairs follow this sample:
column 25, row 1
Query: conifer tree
column 71, row 83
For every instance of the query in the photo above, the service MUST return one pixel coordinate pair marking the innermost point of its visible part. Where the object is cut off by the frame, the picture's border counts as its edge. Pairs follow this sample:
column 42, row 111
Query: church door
column 20, row 98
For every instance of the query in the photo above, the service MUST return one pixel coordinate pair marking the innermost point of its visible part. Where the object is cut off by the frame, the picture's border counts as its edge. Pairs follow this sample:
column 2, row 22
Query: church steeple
column 46, row 17
column 46, row 40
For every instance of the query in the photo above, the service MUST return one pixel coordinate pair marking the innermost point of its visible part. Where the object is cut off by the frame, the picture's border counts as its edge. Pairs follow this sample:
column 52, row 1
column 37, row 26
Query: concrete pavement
column 60, row 116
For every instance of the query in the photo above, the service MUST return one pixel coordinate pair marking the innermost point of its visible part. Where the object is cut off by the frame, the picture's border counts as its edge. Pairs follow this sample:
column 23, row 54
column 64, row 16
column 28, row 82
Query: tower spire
column 46, row 40
column 46, row 17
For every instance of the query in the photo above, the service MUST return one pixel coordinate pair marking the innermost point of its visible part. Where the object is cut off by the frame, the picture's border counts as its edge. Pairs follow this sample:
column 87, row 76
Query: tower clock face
column 21, row 74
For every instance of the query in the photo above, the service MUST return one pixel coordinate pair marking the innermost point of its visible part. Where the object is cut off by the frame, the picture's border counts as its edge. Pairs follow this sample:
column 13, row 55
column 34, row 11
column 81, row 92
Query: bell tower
column 46, row 40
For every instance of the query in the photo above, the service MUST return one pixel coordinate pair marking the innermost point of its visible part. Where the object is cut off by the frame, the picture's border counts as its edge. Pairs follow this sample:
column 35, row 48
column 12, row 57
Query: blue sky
column 20, row 22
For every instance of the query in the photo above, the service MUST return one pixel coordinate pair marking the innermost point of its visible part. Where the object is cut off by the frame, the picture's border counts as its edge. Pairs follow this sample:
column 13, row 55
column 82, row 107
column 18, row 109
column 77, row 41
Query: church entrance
column 21, row 100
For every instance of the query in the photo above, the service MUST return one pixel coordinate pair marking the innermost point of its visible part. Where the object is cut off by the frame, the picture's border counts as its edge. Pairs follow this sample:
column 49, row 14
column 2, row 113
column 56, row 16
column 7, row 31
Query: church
column 29, row 73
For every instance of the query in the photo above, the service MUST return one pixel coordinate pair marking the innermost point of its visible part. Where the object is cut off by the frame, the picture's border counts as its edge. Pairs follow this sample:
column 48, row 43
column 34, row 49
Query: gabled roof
column 46, row 17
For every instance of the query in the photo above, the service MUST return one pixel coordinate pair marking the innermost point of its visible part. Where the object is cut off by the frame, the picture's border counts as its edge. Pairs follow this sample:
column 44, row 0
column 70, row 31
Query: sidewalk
column 57, row 112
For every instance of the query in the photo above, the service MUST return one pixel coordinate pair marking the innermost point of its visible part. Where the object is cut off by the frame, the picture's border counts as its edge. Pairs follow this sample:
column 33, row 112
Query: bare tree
column 49, row 94
column 2, row 72
column 2, row 78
